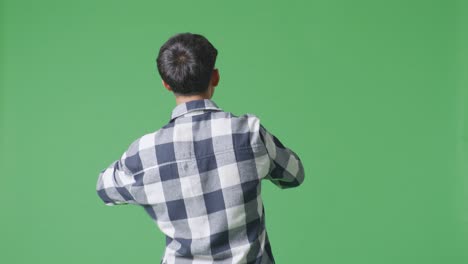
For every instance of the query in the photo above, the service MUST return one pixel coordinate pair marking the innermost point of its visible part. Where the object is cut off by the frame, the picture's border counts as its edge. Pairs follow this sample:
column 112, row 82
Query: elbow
column 101, row 190
column 300, row 174
column 287, row 177
column 296, row 182
column 297, row 178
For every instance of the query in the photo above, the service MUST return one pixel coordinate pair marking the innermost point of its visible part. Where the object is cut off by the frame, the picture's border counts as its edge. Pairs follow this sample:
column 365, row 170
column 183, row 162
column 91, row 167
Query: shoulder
column 253, row 120
column 141, row 146
column 247, row 116
column 141, row 143
column 250, row 120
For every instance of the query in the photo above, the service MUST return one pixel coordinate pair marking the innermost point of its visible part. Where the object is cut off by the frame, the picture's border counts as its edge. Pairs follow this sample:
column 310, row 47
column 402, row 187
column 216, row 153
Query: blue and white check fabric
column 199, row 179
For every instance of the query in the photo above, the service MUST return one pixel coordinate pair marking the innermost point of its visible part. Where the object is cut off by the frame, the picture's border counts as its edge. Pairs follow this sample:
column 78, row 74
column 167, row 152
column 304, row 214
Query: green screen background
column 372, row 95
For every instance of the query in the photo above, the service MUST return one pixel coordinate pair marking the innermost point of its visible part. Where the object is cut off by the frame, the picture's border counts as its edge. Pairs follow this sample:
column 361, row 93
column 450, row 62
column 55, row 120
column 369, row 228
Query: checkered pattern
column 199, row 179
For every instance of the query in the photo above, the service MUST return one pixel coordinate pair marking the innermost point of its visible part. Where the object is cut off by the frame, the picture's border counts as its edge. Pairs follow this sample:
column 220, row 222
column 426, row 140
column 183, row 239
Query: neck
column 182, row 99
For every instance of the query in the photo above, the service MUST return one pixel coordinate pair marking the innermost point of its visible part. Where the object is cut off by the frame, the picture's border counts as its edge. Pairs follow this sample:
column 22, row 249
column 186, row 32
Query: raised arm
column 286, row 170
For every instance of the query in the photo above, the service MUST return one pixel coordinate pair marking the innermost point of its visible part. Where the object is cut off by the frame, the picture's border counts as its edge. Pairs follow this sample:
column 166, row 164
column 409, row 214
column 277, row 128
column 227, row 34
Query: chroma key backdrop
column 372, row 95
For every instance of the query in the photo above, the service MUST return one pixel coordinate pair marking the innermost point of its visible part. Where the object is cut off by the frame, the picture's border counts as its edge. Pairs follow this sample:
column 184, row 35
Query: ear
column 166, row 85
column 215, row 77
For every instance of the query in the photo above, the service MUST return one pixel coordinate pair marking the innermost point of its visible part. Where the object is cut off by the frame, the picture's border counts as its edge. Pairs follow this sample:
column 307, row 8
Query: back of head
column 186, row 62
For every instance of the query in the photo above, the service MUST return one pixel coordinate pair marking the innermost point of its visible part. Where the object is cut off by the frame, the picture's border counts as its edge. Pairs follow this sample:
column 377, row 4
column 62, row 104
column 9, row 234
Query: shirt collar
column 194, row 105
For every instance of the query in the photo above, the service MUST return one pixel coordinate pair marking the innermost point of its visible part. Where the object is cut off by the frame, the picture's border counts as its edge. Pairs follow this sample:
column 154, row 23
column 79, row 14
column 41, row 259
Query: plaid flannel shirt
column 199, row 179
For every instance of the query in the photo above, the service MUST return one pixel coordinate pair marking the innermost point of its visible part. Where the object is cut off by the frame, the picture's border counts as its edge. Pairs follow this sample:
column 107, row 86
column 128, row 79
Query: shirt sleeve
column 286, row 168
column 114, row 183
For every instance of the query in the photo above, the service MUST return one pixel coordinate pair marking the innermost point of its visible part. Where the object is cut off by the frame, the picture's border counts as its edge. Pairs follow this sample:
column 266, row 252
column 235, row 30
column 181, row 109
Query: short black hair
column 186, row 62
